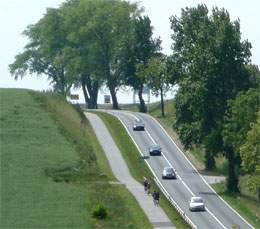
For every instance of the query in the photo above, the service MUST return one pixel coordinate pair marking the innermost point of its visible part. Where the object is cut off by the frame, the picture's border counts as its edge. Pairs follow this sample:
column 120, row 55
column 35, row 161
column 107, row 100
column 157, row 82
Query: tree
column 139, row 48
column 241, row 112
column 250, row 155
column 43, row 54
column 110, row 27
column 79, row 44
column 155, row 74
column 82, row 52
column 254, row 75
column 210, row 59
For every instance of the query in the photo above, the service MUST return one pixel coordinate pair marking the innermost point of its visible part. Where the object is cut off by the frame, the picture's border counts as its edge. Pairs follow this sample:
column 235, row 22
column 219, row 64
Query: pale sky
column 15, row 15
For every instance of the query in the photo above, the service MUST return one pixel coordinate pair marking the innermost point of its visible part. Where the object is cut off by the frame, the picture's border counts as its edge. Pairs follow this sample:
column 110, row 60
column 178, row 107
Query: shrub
column 99, row 212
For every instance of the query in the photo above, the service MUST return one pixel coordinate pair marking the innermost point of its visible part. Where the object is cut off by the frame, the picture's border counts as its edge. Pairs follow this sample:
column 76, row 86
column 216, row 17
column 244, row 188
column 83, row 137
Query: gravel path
column 155, row 214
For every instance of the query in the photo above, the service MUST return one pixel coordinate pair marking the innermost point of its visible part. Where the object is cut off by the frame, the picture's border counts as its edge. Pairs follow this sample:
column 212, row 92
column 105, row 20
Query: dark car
column 138, row 124
column 155, row 150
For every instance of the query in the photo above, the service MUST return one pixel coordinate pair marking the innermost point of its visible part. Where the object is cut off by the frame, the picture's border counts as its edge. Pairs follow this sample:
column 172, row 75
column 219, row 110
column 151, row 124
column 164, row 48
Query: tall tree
column 82, row 52
column 242, row 111
column 139, row 48
column 155, row 75
column 250, row 155
column 210, row 59
column 43, row 54
column 110, row 26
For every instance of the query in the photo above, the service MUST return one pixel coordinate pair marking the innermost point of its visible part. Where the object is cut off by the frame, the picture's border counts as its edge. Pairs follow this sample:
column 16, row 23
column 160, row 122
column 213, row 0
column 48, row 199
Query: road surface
column 189, row 183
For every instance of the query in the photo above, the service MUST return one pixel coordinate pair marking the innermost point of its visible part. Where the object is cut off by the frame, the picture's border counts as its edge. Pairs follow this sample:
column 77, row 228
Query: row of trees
column 92, row 43
column 88, row 44
column 218, row 97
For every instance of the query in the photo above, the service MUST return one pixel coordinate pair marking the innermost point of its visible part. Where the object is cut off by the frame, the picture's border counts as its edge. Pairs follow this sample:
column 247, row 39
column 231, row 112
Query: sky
column 16, row 15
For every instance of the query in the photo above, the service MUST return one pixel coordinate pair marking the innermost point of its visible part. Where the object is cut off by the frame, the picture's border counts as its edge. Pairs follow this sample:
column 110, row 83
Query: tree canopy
column 139, row 49
column 210, row 60
column 154, row 73
column 44, row 52
column 80, row 44
column 250, row 155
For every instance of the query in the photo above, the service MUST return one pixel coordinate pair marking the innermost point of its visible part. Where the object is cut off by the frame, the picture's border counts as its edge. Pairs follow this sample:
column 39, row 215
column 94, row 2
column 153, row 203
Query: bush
column 99, row 212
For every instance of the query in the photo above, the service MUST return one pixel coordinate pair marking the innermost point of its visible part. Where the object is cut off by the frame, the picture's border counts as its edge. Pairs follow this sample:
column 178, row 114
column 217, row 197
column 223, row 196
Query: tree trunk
column 258, row 192
column 142, row 107
column 114, row 98
column 86, row 97
column 63, row 83
column 95, row 94
column 91, row 93
column 162, row 102
column 92, row 103
column 232, row 181
column 210, row 163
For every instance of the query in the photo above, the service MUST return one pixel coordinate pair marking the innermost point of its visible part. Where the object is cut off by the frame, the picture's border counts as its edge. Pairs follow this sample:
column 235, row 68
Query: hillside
column 53, row 171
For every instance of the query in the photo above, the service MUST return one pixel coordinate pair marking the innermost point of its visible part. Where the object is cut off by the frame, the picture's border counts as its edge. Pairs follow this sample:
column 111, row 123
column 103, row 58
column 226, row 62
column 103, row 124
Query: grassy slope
column 50, row 177
column 137, row 167
column 247, row 206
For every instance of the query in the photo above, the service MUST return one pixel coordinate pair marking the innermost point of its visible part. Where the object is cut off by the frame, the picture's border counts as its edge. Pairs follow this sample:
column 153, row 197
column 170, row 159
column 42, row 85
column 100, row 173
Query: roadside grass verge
column 53, row 170
column 248, row 208
column 137, row 166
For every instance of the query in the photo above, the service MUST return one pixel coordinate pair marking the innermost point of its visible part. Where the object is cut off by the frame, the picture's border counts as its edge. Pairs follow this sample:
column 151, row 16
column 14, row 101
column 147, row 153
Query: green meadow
column 53, row 170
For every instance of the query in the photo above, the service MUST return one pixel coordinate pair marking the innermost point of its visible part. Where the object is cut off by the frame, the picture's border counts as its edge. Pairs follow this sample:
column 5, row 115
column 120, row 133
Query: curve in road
column 218, row 213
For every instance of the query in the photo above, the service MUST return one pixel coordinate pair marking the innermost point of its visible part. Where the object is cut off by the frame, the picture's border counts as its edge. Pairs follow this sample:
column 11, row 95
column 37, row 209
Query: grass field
column 53, row 171
column 137, row 167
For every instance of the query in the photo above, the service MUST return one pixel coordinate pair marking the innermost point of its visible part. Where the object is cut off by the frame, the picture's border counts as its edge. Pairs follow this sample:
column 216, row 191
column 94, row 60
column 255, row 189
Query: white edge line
column 199, row 173
column 191, row 223
column 184, row 183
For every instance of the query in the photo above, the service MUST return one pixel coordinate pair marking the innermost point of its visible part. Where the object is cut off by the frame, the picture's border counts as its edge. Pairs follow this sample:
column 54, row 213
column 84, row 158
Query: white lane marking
column 199, row 173
column 135, row 117
column 117, row 116
column 187, row 187
column 154, row 142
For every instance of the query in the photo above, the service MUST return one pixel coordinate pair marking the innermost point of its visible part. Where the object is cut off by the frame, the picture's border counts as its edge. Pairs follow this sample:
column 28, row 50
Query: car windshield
column 197, row 200
column 169, row 170
column 156, row 147
column 139, row 122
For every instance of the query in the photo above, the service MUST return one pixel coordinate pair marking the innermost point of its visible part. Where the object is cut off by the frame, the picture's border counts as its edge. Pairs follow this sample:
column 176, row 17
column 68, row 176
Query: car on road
column 138, row 124
column 168, row 173
column 155, row 150
column 196, row 204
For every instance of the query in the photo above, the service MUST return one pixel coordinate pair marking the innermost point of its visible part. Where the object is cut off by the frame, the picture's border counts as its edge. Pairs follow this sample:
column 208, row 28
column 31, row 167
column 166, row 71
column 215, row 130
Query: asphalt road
column 189, row 182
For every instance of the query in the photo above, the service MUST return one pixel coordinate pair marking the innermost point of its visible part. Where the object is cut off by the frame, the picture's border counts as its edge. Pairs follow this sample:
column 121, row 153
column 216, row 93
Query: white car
column 197, row 204
column 168, row 173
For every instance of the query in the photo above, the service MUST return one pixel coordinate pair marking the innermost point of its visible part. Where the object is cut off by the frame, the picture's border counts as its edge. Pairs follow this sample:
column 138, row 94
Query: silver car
column 168, row 173
column 196, row 204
